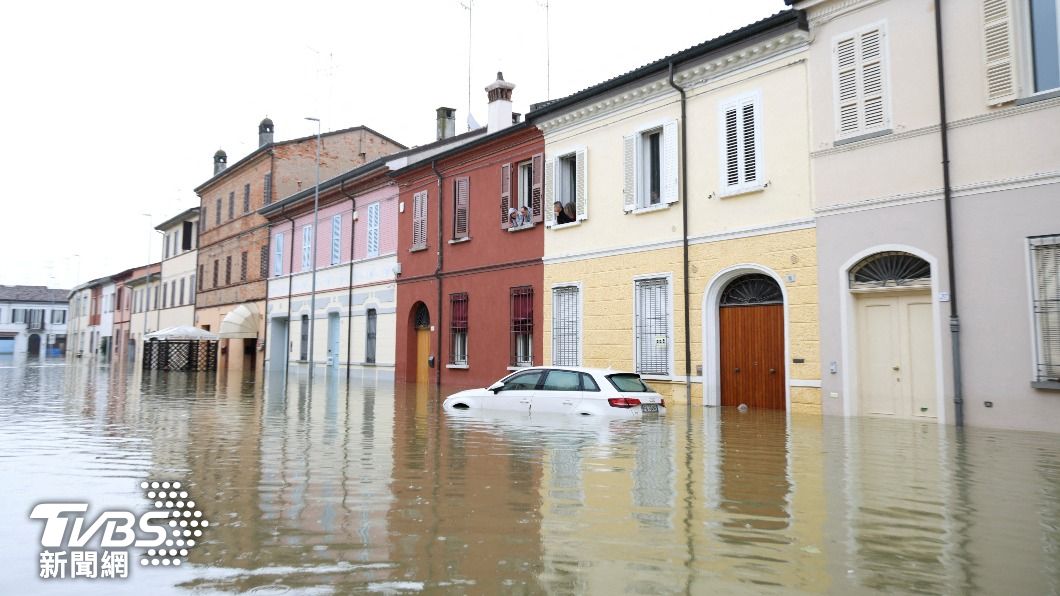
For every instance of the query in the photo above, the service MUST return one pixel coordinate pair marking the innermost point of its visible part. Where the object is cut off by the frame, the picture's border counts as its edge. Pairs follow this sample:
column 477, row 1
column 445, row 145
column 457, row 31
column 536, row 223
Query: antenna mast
column 467, row 7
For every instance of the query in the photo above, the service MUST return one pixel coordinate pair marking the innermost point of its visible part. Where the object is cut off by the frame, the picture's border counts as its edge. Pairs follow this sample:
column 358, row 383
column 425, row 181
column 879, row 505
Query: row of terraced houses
column 851, row 207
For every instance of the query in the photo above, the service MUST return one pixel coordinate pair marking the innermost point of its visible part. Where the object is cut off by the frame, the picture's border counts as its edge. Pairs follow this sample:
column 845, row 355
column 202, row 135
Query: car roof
column 584, row 369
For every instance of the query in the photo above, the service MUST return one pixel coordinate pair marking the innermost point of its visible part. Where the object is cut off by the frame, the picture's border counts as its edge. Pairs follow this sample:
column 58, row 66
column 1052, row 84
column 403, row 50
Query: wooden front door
column 752, row 356
column 896, row 355
column 423, row 350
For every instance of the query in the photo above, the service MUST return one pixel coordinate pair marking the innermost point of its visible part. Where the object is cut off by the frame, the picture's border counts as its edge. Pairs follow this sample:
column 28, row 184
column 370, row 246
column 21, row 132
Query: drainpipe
column 349, row 300
column 438, row 281
column 290, row 298
column 947, row 195
column 683, row 179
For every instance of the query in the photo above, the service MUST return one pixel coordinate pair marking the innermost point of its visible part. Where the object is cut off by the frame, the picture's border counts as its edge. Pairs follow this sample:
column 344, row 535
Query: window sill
column 746, row 190
column 1047, row 385
column 521, row 228
column 572, row 224
column 418, row 249
column 457, row 366
column 521, row 367
column 656, row 377
column 1044, row 95
column 861, row 137
column 652, row 209
column 460, row 240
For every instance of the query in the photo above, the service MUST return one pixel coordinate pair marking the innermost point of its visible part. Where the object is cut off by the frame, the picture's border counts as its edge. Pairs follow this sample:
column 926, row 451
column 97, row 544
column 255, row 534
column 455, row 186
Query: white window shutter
column 860, row 63
column 873, row 101
column 751, row 142
column 373, row 230
column 848, row 96
column 999, row 52
column 336, row 239
column 550, row 191
column 629, row 178
column 670, row 171
column 537, row 208
column 307, row 240
column 581, row 181
column 730, row 146
column 277, row 263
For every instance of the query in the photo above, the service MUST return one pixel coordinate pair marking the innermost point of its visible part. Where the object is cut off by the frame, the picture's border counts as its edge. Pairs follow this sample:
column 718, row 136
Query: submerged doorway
column 333, row 339
column 303, row 346
column 895, row 336
column 422, row 330
column 33, row 346
column 751, row 341
column 279, row 349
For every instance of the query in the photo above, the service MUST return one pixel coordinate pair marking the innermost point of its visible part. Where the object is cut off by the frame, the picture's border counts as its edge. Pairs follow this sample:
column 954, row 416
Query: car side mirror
column 496, row 387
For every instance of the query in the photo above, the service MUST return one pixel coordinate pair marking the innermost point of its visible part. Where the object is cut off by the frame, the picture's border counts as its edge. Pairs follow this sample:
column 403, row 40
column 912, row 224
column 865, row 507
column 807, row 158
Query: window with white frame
column 373, row 230
column 1045, row 44
column 566, row 326
column 307, row 246
column 860, row 71
column 565, row 189
column 650, row 167
column 740, row 149
column 1045, row 266
column 458, row 329
column 651, row 325
column 336, row 239
column 277, row 260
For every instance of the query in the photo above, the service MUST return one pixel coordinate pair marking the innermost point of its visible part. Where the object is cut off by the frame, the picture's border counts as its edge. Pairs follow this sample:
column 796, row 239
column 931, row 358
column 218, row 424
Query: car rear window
column 629, row 382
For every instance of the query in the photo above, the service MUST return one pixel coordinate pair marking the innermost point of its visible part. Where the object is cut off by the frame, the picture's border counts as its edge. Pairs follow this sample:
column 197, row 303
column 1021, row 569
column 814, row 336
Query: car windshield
column 629, row 382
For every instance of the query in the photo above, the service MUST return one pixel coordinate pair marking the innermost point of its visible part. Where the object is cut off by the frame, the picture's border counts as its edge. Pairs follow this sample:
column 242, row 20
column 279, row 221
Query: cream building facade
column 615, row 275
column 179, row 260
column 879, row 188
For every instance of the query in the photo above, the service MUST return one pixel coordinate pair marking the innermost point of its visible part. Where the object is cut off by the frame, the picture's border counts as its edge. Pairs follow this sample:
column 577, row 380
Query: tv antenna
column 548, row 52
column 468, row 6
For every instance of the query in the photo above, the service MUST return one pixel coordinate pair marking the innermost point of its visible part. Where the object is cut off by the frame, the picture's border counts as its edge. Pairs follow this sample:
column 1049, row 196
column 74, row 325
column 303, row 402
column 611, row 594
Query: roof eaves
column 784, row 17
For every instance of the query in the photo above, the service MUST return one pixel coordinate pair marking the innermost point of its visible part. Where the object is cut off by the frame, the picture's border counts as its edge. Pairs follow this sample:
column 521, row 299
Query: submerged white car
column 564, row 390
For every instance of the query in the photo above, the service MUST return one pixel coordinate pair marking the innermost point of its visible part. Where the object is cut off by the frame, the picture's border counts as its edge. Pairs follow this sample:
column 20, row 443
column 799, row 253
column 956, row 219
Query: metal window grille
column 522, row 328
column 1045, row 253
column 370, row 336
column 264, row 265
column 652, row 326
column 458, row 328
column 566, row 326
column 228, row 270
column 246, row 198
column 243, row 266
column 266, row 189
column 180, row 355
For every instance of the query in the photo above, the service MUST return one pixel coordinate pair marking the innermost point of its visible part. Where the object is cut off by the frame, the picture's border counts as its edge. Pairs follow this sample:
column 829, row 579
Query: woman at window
column 561, row 214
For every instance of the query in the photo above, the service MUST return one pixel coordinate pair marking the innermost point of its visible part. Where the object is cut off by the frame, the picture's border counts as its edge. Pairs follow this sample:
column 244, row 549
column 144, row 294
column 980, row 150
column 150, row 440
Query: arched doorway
column 421, row 340
column 33, row 347
column 896, row 375
column 751, row 343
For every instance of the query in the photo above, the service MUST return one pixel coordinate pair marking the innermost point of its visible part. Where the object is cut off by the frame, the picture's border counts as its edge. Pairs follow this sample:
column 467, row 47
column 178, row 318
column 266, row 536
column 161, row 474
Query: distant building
column 180, row 241
column 233, row 255
column 32, row 320
column 85, row 308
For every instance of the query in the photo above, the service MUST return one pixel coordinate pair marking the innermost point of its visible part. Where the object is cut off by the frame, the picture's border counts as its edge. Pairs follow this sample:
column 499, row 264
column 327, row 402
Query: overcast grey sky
column 114, row 109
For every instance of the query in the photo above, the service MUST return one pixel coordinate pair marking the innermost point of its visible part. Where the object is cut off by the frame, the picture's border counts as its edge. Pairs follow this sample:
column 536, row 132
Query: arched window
column 422, row 318
column 890, row 270
column 752, row 289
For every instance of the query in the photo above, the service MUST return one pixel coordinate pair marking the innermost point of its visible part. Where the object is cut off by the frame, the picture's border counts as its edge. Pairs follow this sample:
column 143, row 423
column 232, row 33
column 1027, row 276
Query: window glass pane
column 1046, row 44
column 628, row 382
column 562, row 380
column 527, row 380
column 589, row 383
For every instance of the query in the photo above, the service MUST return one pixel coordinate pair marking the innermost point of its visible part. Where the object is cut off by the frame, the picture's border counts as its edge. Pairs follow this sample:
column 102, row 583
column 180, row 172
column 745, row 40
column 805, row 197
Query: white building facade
column 33, row 321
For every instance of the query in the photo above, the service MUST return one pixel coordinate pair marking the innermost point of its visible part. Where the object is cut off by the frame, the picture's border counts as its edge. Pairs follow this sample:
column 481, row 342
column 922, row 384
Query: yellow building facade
column 614, row 258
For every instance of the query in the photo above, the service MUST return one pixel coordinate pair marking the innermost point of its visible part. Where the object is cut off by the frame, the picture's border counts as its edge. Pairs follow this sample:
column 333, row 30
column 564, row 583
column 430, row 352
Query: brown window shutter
column 538, row 165
column 461, row 201
column 506, row 194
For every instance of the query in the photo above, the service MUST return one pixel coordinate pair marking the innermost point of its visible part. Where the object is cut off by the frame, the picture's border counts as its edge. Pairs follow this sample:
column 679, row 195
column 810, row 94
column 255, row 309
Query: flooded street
column 329, row 488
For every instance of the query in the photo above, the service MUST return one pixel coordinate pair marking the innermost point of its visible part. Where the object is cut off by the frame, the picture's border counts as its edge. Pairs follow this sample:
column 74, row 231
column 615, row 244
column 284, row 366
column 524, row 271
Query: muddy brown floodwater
column 329, row 488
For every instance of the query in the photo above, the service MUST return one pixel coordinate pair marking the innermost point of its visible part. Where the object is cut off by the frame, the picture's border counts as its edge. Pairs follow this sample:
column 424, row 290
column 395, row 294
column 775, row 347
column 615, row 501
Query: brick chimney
column 265, row 129
column 220, row 161
column 500, row 107
column 446, row 123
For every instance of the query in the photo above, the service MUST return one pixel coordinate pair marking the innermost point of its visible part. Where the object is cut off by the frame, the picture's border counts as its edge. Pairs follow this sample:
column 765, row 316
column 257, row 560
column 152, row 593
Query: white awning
column 241, row 322
column 182, row 332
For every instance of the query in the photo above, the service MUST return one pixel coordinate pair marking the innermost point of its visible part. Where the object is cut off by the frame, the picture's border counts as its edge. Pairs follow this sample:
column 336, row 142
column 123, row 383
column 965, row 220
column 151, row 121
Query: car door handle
column 737, row 369
column 772, row 371
column 524, row 401
column 568, row 403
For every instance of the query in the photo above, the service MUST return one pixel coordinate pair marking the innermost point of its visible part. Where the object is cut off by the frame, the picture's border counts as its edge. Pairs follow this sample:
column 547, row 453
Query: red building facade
column 469, row 296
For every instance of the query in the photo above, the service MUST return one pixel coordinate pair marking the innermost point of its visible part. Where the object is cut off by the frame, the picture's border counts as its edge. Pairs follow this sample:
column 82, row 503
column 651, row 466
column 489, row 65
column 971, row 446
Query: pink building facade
column 347, row 320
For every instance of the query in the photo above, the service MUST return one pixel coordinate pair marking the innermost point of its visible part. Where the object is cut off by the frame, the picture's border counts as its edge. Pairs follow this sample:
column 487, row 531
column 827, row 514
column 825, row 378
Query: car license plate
column 649, row 408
